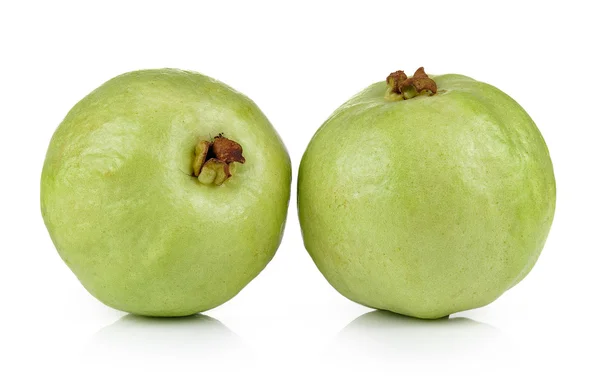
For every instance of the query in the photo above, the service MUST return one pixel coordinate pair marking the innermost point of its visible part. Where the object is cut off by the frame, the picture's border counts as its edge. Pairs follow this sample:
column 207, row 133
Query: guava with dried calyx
column 426, row 196
column 165, row 192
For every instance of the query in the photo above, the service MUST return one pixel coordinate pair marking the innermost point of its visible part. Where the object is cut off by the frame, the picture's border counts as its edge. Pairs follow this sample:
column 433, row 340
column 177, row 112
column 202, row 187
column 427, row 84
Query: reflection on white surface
column 168, row 344
column 449, row 345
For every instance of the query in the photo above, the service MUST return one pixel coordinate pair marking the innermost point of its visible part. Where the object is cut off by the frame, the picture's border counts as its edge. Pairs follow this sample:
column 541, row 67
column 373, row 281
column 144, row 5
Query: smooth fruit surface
column 127, row 214
column 429, row 205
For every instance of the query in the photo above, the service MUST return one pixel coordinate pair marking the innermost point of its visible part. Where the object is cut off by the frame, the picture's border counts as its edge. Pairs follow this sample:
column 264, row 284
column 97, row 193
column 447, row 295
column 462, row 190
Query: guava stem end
column 213, row 161
column 401, row 87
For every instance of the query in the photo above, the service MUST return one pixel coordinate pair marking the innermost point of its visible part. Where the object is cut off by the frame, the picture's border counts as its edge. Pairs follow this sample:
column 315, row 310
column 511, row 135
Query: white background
column 299, row 61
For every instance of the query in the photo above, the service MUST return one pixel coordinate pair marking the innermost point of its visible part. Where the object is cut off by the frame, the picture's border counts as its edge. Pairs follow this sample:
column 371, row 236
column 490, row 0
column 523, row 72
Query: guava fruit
column 426, row 196
column 165, row 192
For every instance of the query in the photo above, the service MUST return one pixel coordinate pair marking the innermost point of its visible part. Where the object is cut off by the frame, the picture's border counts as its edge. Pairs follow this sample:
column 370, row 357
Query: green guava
column 165, row 192
column 426, row 196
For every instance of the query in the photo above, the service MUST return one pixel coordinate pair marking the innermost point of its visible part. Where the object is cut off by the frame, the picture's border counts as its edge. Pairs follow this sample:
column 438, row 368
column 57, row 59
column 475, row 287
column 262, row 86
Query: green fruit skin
column 140, row 233
column 426, row 206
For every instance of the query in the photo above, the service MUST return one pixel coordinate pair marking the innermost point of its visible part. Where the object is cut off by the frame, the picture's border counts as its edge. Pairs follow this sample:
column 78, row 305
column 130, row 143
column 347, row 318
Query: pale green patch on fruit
column 426, row 205
column 126, row 212
column 201, row 152
column 209, row 173
column 214, row 171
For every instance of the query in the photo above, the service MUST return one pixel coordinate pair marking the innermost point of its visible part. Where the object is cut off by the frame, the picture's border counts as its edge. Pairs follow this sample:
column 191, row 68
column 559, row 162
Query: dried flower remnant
column 214, row 159
column 400, row 87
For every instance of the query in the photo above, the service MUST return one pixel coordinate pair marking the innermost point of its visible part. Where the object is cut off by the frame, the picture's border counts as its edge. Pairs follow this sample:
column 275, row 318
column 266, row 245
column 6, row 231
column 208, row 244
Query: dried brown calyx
column 214, row 159
column 401, row 87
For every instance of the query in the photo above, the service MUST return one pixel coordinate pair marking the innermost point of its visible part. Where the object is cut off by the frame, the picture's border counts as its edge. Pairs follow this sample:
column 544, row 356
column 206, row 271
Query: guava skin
column 125, row 213
column 426, row 206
